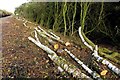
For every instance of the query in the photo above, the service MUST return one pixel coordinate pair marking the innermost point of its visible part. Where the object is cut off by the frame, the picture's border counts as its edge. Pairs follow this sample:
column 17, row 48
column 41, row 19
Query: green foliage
column 96, row 18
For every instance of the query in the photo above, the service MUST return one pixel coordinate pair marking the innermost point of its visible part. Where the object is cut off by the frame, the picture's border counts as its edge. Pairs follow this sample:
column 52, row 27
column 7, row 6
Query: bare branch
column 54, row 38
column 53, row 34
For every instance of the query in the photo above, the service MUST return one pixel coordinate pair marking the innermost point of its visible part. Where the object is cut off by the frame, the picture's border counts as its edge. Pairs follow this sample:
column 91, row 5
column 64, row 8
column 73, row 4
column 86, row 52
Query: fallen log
column 51, row 33
column 42, row 34
column 65, row 65
column 102, row 51
column 54, row 38
column 99, row 58
column 92, row 73
column 104, row 61
column 94, row 55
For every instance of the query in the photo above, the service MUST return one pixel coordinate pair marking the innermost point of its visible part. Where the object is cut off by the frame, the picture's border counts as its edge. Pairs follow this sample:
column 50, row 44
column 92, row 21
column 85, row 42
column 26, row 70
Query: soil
column 23, row 59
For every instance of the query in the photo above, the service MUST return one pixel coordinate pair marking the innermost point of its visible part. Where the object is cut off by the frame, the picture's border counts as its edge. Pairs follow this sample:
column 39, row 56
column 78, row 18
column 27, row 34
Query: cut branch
column 104, row 61
column 92, row 73
column 54, row 38
column 99, row 59
column 70, row 68
column 57, row 37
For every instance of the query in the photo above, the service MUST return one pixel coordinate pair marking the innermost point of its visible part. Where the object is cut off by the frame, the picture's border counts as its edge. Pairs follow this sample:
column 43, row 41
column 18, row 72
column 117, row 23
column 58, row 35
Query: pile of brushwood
column 65, row 66
column 66, row 19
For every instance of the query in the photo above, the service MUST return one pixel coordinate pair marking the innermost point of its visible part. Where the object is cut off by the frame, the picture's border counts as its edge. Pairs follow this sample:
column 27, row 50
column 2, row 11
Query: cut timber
column 107, row 63
column 104, row 72
column 43, row 34
column 65, row 65
column 54, row 35
column 54, row 38
column 67, row 44
column 102, row 51
column 92, row 73
column 99, row 58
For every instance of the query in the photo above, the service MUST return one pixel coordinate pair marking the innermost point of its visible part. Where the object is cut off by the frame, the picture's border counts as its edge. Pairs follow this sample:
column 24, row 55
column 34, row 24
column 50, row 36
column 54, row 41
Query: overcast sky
column 10, row 5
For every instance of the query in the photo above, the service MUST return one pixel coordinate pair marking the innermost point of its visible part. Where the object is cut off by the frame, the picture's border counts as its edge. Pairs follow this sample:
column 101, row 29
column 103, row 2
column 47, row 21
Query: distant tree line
column 100, row 24
column 4, row 13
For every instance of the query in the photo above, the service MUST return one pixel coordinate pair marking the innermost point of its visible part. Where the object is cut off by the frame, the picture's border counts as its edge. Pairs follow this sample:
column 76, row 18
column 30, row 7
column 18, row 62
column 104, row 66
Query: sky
column 10, row 5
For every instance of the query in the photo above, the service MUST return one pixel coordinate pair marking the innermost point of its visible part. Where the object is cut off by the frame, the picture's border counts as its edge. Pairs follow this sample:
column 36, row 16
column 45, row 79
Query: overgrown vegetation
column 100, row 21
column 4, row 13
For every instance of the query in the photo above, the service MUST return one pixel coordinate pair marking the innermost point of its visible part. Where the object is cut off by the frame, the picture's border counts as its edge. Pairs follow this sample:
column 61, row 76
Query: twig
column 25, row 23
